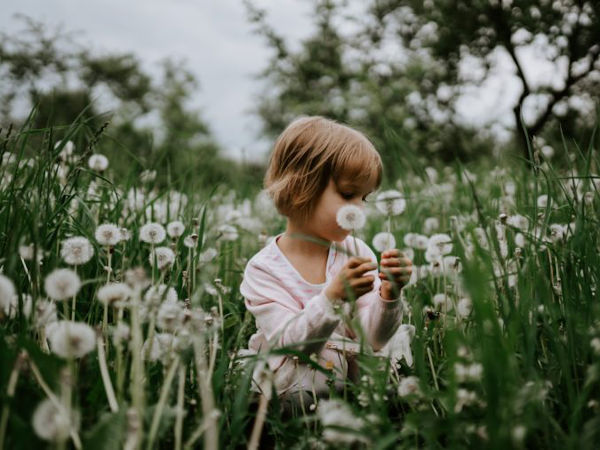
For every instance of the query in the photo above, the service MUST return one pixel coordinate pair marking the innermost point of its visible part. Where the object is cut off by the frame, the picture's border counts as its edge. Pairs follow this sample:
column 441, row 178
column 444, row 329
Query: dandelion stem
column 110, row 393
column 161, row 401
column 259, row 422
column 180, row 410
column 432, row 369
column 10, row 393
column 211, row 438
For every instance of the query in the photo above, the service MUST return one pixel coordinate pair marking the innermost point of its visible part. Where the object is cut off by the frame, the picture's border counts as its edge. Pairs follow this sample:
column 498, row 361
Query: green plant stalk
column 110, row 393
column 164, row 392
column 180, row 410
column 10, row 393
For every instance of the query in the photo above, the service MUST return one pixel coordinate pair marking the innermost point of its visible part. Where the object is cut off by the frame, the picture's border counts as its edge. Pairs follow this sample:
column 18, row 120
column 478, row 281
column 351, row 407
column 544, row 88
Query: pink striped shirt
column 289, row 310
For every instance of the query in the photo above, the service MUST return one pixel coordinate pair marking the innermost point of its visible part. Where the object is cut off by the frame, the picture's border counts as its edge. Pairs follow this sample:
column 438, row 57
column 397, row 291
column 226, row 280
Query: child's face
column 323, row 222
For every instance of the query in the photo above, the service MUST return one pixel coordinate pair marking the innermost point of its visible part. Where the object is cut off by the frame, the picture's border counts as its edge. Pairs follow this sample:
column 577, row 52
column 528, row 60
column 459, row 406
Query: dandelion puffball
column 76, row 250
column 152, row 233
column 390, row 202
column 351, row 217
column 175, row 229
column 98, row 162
column 62, row 284
column 408, row 386
column 164, row 257
column 108, row 234
column 155, row 294
column 228, row 232
column 114, row 293
column 72, row 339
column 52, row 423
column 384, row 241
column 7, row 293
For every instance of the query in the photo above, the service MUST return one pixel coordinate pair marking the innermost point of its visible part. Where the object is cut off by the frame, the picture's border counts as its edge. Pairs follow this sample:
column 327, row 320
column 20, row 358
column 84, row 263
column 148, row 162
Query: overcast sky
column 216, row 39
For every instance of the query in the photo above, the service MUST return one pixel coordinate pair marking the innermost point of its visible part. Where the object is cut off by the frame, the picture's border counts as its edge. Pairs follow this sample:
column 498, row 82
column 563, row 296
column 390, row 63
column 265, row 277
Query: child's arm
column 281, row 318
column 379, row 318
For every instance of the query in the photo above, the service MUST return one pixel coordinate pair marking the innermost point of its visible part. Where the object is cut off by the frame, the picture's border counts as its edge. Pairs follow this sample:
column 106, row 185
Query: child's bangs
column 360, row 165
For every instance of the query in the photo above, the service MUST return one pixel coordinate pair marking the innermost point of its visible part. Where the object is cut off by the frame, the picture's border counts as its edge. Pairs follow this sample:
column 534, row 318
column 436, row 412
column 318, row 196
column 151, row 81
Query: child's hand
column 400, row 269
column 351, row 275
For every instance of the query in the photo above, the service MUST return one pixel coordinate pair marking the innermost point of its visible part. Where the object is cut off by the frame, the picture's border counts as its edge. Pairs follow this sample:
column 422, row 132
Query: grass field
column 134, row 342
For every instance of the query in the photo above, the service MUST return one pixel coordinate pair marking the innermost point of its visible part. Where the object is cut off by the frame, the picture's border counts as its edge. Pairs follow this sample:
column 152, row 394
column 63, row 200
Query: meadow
column 122, row 324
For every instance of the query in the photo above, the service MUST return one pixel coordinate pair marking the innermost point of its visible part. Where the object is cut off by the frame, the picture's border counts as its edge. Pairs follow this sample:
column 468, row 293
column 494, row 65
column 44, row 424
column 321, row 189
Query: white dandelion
column 72, row 339
column 390, row 202
column 464, row 307
column 440, row 243
column 191, row 241
column 114, row 294
column 336, row 413
column 156, row 294
column 62, row 284
column 175, row 229
column 98, row 162
column 152, row 233
column 351, row 217
column 108, row 234
column 384, row 241
column 121, row 333
column 125, row 234
column 7, row 294
column 170, row 316
column 443, row 302
column 228, row 232
column 398, row 346
column 542, row 201
column 67, row 151
column 160, row 347
column 208, row 255
column 76, row 250
column 409, row 386
column 163, row 256
column 52, row 423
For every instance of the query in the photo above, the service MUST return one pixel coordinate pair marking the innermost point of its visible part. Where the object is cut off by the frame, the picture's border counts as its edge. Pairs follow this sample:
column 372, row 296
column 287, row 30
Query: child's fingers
column 364, row 267
column 398, row 262
column 391, row 253
column 356, row 261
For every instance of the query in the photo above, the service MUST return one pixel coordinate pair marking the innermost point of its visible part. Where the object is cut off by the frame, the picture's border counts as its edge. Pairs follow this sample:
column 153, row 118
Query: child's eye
column 347, row 195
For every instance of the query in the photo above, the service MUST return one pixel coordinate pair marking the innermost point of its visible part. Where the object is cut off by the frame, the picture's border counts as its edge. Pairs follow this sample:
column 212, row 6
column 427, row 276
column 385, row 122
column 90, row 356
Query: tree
column 349, row 77
column 569, row 31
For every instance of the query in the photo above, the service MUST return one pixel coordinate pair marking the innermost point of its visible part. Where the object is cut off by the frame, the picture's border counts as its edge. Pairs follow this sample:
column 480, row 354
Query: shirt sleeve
column 281, row 318
column 378, row 317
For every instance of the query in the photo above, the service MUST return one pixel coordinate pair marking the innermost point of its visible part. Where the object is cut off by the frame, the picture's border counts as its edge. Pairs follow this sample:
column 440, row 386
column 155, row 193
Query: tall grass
column 534, row 318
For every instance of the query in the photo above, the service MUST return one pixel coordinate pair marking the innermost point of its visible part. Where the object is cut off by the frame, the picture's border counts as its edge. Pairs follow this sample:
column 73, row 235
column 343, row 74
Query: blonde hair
column 310, row 151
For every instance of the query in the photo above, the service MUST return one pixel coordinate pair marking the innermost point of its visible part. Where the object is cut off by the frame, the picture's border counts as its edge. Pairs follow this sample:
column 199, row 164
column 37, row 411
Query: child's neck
column 292, row 242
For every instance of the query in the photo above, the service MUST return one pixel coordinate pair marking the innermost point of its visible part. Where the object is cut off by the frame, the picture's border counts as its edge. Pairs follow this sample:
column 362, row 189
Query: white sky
column 216, row 39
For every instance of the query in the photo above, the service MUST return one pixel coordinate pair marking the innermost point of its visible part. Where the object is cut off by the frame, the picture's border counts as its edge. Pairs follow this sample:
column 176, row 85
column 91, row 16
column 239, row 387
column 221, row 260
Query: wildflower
column 336, row 413
column 595, row 343
column 409, row 386
column 228, row 232
column 45, row 313
column 170, row 316
column 76, row 250
column 164, row 257
column 120, row 333
column 443, row 302
column 125, row 234
column 471, row 372
column 156, row 294
column 208, row 255
column 542, row 201
column 67, row 151
column 160, row 347
column 464, row 307
column 148, row 176
column 175, row 229
column 62, row 284
column 350, row 217
column 440, row 243
column 98, row 162
column 52, row 423
column 431, row 224
column 190, row 241
column 464, row 398
column 114, row 293
column 390, row 202
column 384, row 241
column 398, row 346
column 518, row 432
column 7, row 294
column 152, row 233
column 108, row 234
column 72, row 339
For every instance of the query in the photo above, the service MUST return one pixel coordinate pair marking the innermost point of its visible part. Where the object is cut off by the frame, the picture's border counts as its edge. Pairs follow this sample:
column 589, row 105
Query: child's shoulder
column 263, row 256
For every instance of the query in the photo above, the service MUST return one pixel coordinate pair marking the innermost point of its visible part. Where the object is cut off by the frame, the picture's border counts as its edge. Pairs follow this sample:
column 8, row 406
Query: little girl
column 292, row 285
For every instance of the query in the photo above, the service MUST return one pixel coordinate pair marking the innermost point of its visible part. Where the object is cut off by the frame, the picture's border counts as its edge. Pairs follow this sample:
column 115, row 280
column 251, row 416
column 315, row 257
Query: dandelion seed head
column 76, row 250
column 53, row 424
column 336, row 413
column 351, row 217
column 390, row 202
column 384, row 241
column 114, row 294
column 98, row 162
column 409, row 386
column 170, row 316
column 228, row 232
column 108, row 234
column 152, row 233
column 72, row 339
column 7, row 294
column 156, row 294
column 62, row 284
column 175, row 229
column 163, row 256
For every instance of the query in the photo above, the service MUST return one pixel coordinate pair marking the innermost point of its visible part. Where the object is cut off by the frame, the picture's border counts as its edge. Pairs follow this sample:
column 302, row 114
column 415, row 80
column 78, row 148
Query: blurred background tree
column 397, row 74
column 150, row 120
